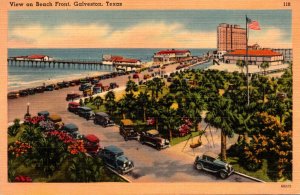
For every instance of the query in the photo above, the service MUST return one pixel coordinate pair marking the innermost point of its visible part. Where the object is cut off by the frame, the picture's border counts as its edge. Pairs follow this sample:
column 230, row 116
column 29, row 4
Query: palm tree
column 110, row 103
column 241, row 64
column 264, row 66
column 131, row 86
column 220, row 116
column 142, row 102
column 110, row 96
column 169, row 120
column 159, row 84
column 98, row 101
column 194, row 107
column 152, row 87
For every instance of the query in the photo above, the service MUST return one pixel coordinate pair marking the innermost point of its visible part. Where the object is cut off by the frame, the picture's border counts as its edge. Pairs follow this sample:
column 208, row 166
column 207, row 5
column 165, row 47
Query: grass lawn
column 177, row 140
column 259, row 174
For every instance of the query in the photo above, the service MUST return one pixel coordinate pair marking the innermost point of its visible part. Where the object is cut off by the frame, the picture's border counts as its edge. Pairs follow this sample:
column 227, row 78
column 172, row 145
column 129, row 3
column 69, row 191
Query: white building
column 170, row 56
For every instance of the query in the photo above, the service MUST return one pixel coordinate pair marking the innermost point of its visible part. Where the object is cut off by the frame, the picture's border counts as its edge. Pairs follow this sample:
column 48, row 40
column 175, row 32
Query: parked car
column 86, row 113
column 31, row 91
column 39, row 89
column 71, row 129
column 114, row 158
column 44, row 113
column 87, row 92
column 127, row 130
column 94, row 81
column 146, row 76
column 23, row 93
column 63, row 84
column 113, row 85
column 210, row 162
column 50, row 87
column 85, row 86
column 73, row 107
column 153, row 138
column 91, row 144
column 13, row 95
column 136, row 76
column 103, row 119
column 56, row 119
column 97, row 90
column 72, row 96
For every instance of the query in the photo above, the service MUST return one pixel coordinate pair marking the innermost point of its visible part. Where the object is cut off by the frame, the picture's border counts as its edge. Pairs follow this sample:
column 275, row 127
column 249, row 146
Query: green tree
column 143, row 102
column 264, row 66
column 220, row 116
column 159, row 84
column 241, row 64
column 131, row 86
column 98, row 101
column 14, row 129
column 83, row 168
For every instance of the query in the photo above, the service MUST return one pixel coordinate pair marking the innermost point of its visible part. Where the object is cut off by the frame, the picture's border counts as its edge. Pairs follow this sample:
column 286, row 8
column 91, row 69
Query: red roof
column 92, row 138
column 173, row 51
column 263, row 52
column 114, row 58
column 74, row 104
column 36, row 56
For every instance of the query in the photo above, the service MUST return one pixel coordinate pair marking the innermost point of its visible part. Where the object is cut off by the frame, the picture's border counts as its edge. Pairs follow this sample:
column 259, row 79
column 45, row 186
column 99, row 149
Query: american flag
column 252, row 24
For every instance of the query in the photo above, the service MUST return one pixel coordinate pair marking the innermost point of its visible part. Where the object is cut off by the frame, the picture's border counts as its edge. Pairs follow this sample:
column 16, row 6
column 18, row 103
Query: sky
column 141, row 28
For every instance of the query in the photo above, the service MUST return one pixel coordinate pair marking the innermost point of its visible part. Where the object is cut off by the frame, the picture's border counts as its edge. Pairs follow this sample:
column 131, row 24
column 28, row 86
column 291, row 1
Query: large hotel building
column 231, row 37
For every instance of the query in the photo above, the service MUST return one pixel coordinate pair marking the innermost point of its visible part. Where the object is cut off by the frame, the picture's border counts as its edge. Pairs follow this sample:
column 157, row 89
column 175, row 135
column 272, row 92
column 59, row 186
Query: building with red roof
column 38, row 57
column 120, row 61
column 255, row 57
column 171, row 56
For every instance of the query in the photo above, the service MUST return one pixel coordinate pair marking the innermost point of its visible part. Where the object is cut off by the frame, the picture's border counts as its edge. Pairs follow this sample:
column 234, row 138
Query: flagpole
column 246, row 61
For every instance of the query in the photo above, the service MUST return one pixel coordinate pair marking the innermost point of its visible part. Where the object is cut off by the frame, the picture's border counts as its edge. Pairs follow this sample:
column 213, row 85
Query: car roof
column 92, row 138
column 54, row 117
column 114, row 149
column 127, row 122
column 153, row 132
column 43, row 112
column 210, row 154
column 70, row 126
column 74, row 103
column 102, row 114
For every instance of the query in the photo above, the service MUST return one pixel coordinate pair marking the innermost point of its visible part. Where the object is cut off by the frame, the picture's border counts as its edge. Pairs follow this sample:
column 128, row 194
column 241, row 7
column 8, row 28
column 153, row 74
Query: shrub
column 14, row 129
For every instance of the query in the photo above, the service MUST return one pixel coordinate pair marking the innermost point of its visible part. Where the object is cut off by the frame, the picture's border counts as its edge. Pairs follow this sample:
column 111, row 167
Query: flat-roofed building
column 230, row 37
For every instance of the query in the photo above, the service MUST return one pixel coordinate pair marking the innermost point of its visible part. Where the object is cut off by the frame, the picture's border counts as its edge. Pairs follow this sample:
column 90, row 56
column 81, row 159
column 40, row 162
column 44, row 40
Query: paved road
column 169, row 165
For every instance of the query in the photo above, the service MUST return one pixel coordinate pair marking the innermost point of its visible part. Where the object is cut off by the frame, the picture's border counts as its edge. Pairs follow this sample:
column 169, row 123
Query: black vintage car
column 113, row 85
column 114, row 158
column 85, row 86
column 63, row 84
column 153, row 138
column 86, row 113
column 50, row 87
column 39, row 89
column 23, row 93
column 72, row 96
column 210, row 162
column 71, row 129
column 103, row 119
column 31, row 91
column 127, row 130
column 44, row 113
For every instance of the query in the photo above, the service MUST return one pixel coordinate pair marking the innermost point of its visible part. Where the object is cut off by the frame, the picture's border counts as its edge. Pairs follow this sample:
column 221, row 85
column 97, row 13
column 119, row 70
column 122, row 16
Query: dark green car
column 114, row 158
column 210, row 162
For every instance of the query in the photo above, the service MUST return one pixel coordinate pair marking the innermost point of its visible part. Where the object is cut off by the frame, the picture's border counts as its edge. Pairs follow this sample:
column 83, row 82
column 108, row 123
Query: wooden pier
column 60, row 64
column 69, row 64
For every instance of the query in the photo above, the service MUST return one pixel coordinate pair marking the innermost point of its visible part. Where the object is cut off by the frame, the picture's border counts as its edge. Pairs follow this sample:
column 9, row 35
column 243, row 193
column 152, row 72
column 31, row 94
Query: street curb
column 249, row 177
column 126, row 179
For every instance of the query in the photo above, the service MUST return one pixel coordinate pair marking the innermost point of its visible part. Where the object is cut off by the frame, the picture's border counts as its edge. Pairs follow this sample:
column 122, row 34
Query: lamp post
column 27, row 115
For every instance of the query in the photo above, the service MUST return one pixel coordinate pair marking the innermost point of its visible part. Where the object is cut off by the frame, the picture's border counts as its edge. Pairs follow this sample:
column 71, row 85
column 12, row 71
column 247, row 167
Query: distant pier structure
column 44, row 61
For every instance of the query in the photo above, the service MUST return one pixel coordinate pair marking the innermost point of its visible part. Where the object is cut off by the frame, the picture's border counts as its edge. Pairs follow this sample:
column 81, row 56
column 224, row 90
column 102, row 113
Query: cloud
column 270, row 37
column 144, row 35
column 151, row 34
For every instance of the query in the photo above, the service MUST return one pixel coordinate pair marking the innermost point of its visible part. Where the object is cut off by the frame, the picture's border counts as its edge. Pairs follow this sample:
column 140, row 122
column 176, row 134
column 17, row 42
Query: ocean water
column 24, row 77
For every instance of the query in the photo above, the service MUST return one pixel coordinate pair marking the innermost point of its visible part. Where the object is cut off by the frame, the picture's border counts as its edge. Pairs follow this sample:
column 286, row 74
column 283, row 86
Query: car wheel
column 158, row 147
column 199, row 166
column 223, row 174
